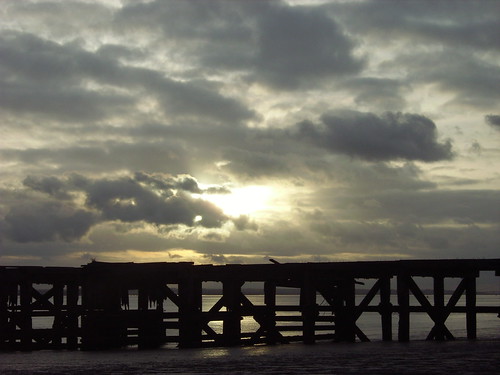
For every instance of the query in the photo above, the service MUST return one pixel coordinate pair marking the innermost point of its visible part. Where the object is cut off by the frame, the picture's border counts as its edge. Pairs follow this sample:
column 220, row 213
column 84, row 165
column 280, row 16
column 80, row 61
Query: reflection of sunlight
column 242, row 201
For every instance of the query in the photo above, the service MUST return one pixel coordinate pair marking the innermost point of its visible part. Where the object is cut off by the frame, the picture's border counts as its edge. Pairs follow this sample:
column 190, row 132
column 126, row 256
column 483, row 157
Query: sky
column 238, row 131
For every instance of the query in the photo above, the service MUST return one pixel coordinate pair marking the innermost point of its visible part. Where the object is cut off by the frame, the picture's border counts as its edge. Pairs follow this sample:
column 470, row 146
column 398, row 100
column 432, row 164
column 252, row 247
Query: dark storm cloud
column 50, row 185
column 391, row 136
column 128, row 201
column 270, row 42
column 164, row 184
column 47, row 221
column 43, row 73
column 493, row 120
column 299, row 45
column 156, row 199
column 460, row 24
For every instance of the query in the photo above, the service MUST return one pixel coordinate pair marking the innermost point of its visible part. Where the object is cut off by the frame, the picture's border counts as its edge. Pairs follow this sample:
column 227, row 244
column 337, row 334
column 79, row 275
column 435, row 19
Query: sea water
column 377, row 357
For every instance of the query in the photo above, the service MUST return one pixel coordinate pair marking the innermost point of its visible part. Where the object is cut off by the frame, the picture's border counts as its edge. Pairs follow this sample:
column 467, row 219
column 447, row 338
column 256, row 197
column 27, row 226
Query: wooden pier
column 90, row 307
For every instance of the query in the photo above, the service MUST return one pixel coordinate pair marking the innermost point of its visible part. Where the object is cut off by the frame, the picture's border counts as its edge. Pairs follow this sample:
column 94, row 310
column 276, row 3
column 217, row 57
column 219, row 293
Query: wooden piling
column 24, row 320
column 439, row 312
column 404, row 308
column 308, row 309
column 270, row 312
column 72, row 314
column 231, row 327
column 190, row 298
column 470, row 305
column 386, row 308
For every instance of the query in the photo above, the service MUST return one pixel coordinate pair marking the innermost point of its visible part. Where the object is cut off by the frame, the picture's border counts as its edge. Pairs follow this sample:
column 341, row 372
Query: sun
column 242, row 200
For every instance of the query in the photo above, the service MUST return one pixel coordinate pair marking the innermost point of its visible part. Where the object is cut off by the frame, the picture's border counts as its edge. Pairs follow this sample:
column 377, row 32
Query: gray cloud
column 128, row 201
column 470, row 25
column 388, row 137
column 473, row 80
column 297, row 46
column 47, row 221
column 50, row 185
column 269, row 42
column 459, row 206
column 379, row 93
column 51, row 68
column 150, row 198
column 493, row 120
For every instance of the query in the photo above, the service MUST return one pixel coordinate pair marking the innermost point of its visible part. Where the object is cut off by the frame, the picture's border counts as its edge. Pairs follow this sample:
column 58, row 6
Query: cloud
column 469, row 25
column 391, row 136
column 459, row 206
column 155, row 199
column 493, row 120
column 472, row 80
column 271, row 43
column 48, row 221
column 47, row 184
column 127, row 200
column 378, row 93
column 52, row 77
column 300, row 47
column 244, row 222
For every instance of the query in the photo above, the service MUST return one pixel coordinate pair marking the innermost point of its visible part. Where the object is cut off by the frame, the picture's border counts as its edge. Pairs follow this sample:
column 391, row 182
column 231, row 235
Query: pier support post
column 25, row 321
column 345, row 310
column 190, row 299
column 4, row 314
column 386, row 308
column 72, row 295
column 58, row 325
column 309, row 310
column 231, row 327
column 470, row 305
column 151, row 330
column 404, row 307
column 439, row 307
column 270, row 312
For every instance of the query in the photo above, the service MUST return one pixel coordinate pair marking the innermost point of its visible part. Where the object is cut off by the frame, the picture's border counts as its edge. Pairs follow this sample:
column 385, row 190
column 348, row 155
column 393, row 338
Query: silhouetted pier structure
column 89, row 307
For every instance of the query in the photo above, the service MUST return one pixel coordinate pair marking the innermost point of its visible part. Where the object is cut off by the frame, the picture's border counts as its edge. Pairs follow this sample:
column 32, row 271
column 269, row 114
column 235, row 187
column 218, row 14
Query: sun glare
column 242, row 201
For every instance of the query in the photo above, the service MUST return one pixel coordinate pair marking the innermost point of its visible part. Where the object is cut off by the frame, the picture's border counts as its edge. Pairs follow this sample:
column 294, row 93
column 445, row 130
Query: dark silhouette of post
column 190, row 299
column 439, row 311
column 470, row 305
column 308, row 309
column 404, row 308
column 270, row 312
column 231, row 326
column 386, row 308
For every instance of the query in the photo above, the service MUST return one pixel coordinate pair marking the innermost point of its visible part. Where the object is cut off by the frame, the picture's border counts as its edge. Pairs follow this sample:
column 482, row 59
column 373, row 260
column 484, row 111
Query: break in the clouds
column 235, row 131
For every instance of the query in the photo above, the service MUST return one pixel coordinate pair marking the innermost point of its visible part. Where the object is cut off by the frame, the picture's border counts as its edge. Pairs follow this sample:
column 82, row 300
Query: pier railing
column 89, row 307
